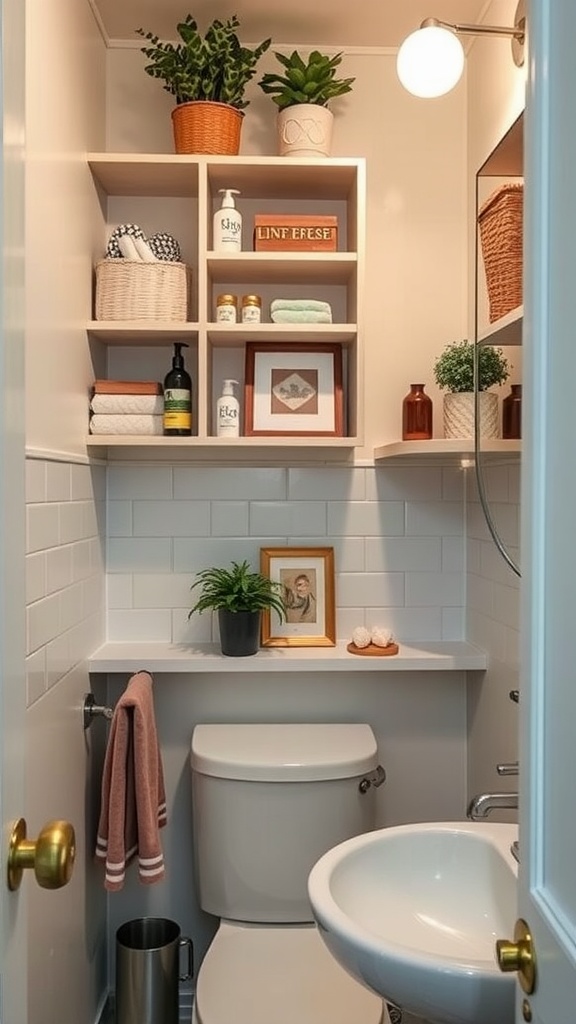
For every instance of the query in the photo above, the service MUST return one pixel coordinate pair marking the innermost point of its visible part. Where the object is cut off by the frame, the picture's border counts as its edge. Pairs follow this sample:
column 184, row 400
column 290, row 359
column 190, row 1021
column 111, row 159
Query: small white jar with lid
column 226, row 309
column 251, row 309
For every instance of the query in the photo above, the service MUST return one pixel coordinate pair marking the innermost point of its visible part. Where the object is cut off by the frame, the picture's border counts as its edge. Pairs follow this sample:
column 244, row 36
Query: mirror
column 498, row 340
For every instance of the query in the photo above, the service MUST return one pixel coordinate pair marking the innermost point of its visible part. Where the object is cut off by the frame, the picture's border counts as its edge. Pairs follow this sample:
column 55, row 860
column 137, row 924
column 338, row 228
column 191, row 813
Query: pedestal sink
column 414, row 912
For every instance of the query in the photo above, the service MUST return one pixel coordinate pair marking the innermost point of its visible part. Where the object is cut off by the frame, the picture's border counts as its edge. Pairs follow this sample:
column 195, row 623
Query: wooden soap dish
column 372, row 650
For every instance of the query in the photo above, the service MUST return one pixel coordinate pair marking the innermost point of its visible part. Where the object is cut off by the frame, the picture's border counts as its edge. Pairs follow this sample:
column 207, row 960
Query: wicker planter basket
column 132, row 290
column 501, row 227
column 204, row 126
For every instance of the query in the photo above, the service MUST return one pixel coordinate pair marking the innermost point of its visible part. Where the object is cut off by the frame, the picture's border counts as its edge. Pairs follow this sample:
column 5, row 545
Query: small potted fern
column 208, row 75
column 239, row 596
column 454, row 373
column 302, row 94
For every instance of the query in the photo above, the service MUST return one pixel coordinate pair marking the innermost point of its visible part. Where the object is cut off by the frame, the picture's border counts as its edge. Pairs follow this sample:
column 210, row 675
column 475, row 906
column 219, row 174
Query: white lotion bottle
column 228, row 411
column 227, row 224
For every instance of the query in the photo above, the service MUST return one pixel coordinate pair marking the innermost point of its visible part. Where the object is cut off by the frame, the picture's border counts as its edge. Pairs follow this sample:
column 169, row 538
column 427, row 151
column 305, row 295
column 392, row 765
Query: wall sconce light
column 431, row 59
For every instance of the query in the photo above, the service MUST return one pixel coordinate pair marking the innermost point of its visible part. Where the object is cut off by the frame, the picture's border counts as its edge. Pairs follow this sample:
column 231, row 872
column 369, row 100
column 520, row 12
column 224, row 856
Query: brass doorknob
column 51, row 855
column 519, row 955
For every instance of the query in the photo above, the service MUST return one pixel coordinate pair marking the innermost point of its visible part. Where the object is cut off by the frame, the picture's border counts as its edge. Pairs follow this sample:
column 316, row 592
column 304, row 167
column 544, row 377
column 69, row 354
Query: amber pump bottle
column 178, row 396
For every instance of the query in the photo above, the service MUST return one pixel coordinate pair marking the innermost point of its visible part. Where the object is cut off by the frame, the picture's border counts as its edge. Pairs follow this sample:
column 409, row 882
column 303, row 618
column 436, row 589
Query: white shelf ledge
column 444, row 448
column 505, row 331
column 161, row 657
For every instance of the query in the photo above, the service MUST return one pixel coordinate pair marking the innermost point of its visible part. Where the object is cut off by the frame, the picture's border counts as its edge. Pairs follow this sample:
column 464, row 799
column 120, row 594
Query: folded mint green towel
column 314, row 304
column 300, row 316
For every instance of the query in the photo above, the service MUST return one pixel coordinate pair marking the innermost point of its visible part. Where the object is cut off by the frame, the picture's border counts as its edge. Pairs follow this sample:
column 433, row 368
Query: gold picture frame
column 306, row 576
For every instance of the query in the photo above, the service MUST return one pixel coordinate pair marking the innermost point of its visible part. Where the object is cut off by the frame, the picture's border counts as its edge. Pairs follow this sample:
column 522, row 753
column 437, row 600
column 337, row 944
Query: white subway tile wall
column 65, row 569
column 397, row 534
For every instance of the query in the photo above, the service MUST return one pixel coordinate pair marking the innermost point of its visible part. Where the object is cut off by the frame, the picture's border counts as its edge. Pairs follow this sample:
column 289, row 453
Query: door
column 548, row 698
column 13, row 963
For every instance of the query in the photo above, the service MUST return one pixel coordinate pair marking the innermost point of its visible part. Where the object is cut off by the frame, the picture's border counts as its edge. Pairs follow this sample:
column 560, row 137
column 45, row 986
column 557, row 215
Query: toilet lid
column 253, row 974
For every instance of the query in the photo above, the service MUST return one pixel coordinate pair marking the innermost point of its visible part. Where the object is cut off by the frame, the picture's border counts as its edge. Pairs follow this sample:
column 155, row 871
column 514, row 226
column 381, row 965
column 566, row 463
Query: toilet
column 268, row 801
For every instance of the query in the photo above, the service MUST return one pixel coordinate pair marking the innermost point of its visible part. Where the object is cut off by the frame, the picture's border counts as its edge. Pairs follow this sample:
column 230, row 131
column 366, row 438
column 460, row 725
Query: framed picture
column 293, row 389
column 306, row 576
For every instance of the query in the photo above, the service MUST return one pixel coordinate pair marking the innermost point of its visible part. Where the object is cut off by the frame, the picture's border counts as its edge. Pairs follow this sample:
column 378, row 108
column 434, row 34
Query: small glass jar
column 226, row 309
column 416, row 415
column 251, row 309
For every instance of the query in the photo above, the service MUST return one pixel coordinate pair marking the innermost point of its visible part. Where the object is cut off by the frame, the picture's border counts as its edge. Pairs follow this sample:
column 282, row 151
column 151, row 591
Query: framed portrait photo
column 293, row 389
column 306, row 579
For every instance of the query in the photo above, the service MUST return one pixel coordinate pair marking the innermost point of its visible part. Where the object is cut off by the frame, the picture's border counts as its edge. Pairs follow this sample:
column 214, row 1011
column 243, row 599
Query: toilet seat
column 282, row 974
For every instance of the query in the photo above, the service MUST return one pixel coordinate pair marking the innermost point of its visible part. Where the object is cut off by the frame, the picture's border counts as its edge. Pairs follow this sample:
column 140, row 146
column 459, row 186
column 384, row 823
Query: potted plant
column 302, row 94
column 239, row 596
column 208, row 76
column 454, row 372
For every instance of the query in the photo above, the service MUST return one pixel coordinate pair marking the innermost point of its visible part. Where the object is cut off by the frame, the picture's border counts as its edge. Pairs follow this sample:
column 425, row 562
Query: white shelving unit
column 176, row 658
column 506, row 331
column 155, row 189
column 443, row 449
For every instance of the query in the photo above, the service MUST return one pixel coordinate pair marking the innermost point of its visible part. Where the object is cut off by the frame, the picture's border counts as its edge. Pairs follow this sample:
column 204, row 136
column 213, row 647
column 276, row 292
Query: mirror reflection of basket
column 500, row 221
column 134, row 290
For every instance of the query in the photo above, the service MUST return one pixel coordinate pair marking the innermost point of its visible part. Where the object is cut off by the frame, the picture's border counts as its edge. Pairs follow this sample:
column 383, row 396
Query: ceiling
column 339, row 23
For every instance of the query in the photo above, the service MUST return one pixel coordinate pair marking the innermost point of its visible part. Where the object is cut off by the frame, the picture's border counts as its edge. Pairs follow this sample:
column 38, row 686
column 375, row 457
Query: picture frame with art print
column 306, row 577
column 293, row 389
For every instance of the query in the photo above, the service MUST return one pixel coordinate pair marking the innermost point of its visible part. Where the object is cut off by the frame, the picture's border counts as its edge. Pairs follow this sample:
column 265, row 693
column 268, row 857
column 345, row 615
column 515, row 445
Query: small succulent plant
column 454, row 368
column 211, row 67
column 311, row 81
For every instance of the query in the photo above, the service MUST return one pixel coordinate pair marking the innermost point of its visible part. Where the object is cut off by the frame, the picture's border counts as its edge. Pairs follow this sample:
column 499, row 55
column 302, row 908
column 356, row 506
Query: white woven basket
column 459, row 414
column 133, row 290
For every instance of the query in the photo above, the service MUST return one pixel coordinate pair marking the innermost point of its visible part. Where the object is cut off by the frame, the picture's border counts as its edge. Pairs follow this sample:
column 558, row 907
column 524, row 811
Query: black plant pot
column 239, row 632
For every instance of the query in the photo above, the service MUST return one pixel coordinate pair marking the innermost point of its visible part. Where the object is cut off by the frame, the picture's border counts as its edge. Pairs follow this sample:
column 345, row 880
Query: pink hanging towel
column 133, row 808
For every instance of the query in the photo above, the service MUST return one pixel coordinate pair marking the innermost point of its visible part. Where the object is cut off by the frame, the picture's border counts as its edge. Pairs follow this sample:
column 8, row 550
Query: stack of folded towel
column 128, row 241
column 300, row 311
column 126, row 412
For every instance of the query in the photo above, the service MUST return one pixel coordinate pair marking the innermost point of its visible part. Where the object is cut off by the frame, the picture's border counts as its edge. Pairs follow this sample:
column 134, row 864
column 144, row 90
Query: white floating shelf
column 506, row 331
column 190, row 658
column 444, row 448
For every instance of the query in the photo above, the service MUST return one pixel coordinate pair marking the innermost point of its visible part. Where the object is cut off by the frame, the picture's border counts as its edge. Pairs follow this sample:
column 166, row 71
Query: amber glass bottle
column 512, row 413
column 417, row 415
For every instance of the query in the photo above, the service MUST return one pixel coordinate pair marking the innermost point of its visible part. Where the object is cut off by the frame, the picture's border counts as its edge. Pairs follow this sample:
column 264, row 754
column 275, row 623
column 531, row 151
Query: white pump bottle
column 227, row 225
column 228, row 411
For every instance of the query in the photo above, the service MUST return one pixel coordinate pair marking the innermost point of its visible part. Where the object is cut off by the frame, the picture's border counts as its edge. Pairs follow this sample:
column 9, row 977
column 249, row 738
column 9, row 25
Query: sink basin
column 413, row 912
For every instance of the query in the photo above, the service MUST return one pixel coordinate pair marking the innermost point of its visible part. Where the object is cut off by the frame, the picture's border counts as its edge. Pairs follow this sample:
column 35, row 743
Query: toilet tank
column 268, row 801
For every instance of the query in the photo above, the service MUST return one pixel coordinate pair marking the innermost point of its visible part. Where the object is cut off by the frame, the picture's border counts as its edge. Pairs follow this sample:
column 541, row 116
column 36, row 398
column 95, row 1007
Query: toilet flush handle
column 375, row 778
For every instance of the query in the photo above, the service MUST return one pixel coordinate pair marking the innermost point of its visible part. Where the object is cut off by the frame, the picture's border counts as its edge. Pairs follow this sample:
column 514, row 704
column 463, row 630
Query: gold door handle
column 519, row 955
column 51, row 855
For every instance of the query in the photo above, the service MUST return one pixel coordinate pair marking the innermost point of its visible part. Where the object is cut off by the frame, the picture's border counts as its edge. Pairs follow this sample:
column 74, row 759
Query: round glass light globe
column 430, row 61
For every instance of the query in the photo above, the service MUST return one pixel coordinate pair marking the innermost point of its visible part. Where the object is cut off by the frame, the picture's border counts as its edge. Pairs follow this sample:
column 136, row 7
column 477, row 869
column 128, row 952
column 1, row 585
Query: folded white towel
column 128, row 248
column 123, row 424
column 300, row 316
column 131, row 404
column 316, row 304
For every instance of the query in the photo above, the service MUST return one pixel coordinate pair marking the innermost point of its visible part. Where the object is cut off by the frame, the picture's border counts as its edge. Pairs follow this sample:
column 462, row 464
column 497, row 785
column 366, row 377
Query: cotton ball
column 361, row 636
column 382, row 637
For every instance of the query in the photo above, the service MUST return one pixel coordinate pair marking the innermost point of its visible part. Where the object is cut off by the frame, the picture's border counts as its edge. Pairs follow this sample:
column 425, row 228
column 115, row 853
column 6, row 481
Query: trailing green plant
column 211, row 67
column 312, row 81
column 237, row 589
column 454, row 368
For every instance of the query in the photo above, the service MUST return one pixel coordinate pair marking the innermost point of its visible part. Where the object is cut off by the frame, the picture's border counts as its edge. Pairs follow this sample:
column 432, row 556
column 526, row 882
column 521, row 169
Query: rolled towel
column 300, row 316
column 128, row 404
column 316, row 304
column 122, row 424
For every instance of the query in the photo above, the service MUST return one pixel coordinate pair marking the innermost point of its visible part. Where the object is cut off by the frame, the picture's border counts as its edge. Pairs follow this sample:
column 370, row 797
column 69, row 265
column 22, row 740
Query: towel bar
column 93, row 710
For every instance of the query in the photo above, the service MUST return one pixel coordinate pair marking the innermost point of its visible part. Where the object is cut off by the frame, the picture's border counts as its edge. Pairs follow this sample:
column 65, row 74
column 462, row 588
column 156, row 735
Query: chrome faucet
column 481, row 805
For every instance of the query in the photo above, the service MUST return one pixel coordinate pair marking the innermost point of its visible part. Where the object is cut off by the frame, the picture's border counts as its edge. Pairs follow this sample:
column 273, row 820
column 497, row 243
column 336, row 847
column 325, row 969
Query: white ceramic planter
column 305, row 129
column 459, row 414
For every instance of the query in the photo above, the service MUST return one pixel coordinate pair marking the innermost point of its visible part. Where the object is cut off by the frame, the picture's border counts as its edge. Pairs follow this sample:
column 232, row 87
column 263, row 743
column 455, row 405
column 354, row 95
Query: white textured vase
column 305, row 129
column 459, row 414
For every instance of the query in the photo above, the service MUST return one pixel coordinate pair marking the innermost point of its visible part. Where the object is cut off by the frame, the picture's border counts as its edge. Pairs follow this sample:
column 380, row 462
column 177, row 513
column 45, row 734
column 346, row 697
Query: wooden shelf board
column 227, row 335
column 145, row 174
column 285, row 267
column 140, row 332
column 177, row 658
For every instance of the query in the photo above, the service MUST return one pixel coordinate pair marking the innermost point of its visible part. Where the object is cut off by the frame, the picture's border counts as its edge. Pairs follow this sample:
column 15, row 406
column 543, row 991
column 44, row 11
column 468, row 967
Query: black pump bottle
column 178, row 396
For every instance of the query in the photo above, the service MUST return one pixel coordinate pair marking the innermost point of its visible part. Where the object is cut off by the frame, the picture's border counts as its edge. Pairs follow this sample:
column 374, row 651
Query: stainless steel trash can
column 148, row 971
